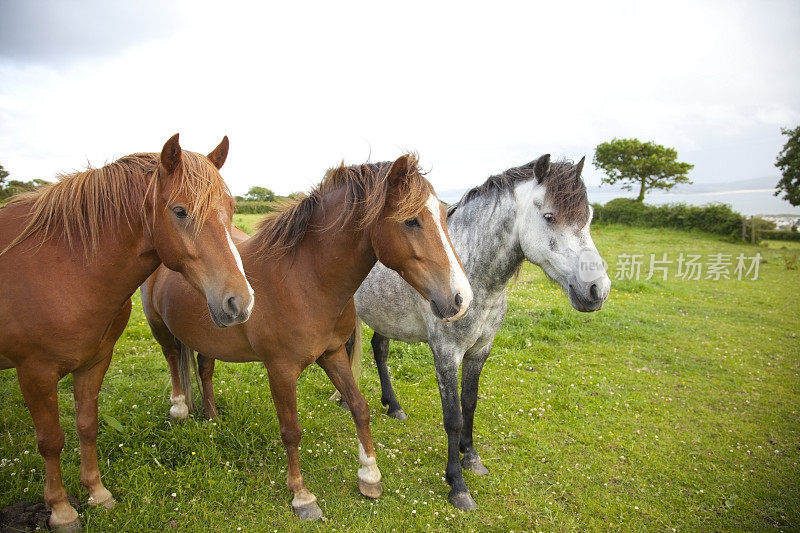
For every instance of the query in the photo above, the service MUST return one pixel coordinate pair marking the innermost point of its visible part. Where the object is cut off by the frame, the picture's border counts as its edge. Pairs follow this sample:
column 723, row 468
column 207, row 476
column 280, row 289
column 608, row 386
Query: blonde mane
column 366, row 188
column 80, row 206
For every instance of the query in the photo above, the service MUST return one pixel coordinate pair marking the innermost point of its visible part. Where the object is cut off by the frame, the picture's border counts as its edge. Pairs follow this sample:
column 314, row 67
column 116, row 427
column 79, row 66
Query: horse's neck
column 348, row 259
column 126, row 259
column 484, row 235
column 347, row 252
column 332, row 259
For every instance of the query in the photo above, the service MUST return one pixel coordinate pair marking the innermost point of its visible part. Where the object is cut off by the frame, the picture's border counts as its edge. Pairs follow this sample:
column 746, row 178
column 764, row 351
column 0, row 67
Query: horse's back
column 238, row 235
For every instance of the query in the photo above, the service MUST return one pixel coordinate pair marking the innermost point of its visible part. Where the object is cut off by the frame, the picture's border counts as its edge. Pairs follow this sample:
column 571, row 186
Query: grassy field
column 673, row 408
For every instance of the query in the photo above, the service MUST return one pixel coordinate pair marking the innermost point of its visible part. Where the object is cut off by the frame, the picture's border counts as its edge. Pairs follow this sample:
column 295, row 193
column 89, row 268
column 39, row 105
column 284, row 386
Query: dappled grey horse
column 539, row 212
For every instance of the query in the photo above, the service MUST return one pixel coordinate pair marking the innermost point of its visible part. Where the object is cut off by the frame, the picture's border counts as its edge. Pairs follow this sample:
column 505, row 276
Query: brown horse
column 72, row 254
column 305, row 264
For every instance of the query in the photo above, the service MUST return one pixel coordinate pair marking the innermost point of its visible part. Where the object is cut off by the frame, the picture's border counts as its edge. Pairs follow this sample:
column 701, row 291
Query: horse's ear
column 400, row 169
column 579, row 166
column 220, row 153
column 542, row 167
column 171, row 154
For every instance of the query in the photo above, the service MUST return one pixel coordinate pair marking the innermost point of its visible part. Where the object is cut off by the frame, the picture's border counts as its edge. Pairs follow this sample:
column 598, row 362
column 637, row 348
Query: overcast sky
column 474, row 89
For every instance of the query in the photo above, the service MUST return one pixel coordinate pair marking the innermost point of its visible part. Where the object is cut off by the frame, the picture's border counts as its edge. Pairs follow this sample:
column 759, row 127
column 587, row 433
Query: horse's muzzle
column 450, row 311
column 592, row 300
column 232, row 310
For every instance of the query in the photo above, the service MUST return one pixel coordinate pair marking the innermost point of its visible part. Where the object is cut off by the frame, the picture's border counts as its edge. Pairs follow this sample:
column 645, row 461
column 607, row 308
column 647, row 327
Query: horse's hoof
column 399, row 414
column 463, row 501
column 178, row 413
column 107, row 504
column 370, row 490
column 343, row 405
column 309, row 511
column 474, row 465
column 69, row 527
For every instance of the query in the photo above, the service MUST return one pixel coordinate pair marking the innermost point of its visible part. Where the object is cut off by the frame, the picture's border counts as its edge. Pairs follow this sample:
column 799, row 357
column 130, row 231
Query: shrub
column 778, row 235
column 713, row 218
column 621, row 211
column 250, row 207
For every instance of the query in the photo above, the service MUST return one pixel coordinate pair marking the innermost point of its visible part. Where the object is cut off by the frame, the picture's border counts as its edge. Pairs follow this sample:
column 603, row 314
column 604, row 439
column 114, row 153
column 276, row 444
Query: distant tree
column 644, row 165
column 789, row 163
column 14, row 187
column 261, row 194
column 3, row 176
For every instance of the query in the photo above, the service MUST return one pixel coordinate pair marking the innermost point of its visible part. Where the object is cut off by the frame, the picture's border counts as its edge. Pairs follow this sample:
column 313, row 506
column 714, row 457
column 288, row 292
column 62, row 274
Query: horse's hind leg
column 336, row 366
column 40, row 390
column 179, row 409
column 171, row 350
column 86, row 387
column 470, row 373
column 283, row 387
column 380, row 350
column 205, row 366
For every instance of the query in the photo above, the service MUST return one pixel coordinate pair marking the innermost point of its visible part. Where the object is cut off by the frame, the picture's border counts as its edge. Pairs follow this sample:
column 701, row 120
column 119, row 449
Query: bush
column 249, row 207
column 712, row 218
column 778, row 235
column 621, row 211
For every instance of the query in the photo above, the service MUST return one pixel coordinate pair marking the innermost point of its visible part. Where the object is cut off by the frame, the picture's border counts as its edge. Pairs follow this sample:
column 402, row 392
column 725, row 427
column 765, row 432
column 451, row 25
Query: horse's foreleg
column 205, row 365
column 283, row 387
column 447, row 375
column 40, row 390
column 337, row 367
column 380, row 351
column 86, row 387
column 470, row 374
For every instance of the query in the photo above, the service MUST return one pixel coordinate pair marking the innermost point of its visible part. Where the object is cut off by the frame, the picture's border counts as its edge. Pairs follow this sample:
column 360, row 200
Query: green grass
column 246, row 222
column 676, row 406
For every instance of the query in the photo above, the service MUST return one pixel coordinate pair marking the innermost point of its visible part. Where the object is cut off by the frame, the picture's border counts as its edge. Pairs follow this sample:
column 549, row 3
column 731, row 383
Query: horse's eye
column 549, row 217
column 180, row 212
column 412, row 223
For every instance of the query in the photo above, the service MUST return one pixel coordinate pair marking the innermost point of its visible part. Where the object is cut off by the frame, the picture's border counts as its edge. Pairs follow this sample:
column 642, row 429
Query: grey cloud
column 53, row 31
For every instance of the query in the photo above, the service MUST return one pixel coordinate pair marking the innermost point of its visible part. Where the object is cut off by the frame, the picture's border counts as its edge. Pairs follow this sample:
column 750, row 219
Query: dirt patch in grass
column 27, row 516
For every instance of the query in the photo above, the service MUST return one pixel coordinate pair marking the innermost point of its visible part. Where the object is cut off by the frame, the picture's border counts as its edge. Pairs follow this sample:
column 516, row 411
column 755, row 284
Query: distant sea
column 748, row 197
column 745, row 201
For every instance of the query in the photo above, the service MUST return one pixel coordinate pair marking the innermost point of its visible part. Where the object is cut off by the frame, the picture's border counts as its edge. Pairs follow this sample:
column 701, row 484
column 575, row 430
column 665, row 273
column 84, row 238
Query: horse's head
column 192, row 212
column 553, row 219
column 411, row 238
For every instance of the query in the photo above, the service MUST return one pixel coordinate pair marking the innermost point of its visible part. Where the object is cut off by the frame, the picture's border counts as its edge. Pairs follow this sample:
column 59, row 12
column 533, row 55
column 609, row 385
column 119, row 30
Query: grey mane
column 565, row 189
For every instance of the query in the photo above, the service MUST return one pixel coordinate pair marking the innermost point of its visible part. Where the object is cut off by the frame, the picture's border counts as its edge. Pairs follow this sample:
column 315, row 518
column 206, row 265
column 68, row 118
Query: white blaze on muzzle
column 459, row 284
column 238, row 258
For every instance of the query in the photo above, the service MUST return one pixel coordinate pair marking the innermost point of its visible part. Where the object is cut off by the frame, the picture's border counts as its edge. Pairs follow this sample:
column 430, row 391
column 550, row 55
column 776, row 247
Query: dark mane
column 366, row 188
column 565, row 190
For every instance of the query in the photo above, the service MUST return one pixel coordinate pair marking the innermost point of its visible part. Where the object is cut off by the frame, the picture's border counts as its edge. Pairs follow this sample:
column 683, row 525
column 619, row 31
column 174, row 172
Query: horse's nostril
column 231, row 307
column 593, row 292
column 459, row 299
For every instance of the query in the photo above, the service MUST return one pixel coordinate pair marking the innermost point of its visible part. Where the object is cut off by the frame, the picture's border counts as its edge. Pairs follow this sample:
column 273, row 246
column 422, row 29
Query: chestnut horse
column 305, row 264
column 72, row 254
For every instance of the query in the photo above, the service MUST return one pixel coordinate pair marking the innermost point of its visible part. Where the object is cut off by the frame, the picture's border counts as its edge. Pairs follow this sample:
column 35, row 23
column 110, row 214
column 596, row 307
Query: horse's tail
column 354, row 353
column 187, row 367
